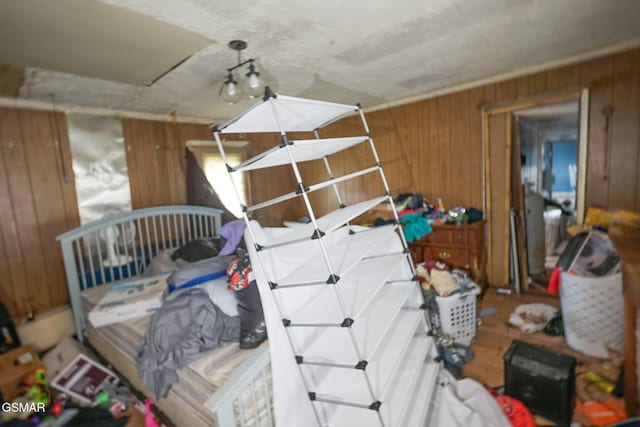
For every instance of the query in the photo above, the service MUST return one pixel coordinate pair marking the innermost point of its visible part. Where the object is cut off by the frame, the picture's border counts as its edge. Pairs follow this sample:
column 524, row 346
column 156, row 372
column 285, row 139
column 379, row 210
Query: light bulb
column 231, row 93
column 254, row 87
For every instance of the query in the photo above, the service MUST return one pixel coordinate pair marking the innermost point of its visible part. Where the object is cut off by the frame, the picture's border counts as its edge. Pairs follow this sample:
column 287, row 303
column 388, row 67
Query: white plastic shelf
column 295, row 115
column 349, row 385
column 395, row 400
column 422, row 400
column 343, row 255
column 397, row 333
column 356, row 290
column 331, row 274
column 312, row 188
column 326, row 223
column 303, row 150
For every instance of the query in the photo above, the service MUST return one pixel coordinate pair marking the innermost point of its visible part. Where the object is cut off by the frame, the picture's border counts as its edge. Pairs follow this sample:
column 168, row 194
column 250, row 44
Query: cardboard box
column 130, row 299
column 83, row 379
column 14, row 366
column 47, row 328
column 62, row 355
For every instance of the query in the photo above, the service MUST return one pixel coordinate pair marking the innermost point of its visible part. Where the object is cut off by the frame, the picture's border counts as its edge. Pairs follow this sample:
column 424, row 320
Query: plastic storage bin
column 457, row 315
column 592, row 312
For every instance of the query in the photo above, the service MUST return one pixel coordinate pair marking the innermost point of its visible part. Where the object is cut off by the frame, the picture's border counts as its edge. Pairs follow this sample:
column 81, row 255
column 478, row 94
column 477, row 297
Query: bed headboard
column 122, row 246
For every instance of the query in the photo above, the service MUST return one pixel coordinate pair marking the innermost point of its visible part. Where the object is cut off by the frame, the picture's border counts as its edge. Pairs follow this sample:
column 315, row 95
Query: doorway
column 540, row 142
column 547, row 136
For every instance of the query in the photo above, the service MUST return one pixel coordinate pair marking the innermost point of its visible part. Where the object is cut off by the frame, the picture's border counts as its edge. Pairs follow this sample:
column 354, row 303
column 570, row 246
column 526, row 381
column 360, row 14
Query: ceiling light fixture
column 253, row 86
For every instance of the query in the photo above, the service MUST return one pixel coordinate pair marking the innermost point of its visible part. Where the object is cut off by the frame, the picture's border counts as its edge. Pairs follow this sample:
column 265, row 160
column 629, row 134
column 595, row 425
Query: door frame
column 581, row 95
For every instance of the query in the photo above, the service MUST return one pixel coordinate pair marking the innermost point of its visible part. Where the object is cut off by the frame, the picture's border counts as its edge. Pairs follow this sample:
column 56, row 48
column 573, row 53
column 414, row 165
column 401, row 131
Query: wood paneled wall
column 37, row 203
column 155, row 160
column 435, row 146
column 156, row 165
column 38, row 199
column 432, row 146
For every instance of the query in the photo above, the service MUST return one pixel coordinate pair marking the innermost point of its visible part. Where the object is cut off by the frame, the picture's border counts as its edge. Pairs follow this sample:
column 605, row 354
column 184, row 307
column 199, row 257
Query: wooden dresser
column 460, row 246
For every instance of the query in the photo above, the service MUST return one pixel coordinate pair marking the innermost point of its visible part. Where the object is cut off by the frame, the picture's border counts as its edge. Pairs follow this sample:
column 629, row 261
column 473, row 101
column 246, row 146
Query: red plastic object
column 516, row 412
column 57, row 409
column 554, row 282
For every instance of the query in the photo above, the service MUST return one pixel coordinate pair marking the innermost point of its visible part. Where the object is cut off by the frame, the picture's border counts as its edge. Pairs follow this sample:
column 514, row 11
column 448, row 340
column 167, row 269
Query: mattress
column 184, row 404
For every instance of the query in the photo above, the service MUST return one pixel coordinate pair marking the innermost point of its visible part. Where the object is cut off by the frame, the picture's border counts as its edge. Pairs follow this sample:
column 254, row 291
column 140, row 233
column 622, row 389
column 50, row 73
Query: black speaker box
column 543, row 380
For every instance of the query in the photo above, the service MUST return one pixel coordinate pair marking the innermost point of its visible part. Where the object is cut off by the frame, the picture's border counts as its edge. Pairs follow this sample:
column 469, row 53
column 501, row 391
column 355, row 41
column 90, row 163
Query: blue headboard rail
column 121, row 246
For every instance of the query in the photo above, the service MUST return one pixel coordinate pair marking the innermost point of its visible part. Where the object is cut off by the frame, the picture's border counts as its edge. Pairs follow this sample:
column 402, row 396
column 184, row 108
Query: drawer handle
column 444, row 255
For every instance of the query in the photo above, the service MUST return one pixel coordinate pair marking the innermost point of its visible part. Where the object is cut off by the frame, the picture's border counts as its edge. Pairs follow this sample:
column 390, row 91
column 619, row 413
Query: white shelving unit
column 345, row 297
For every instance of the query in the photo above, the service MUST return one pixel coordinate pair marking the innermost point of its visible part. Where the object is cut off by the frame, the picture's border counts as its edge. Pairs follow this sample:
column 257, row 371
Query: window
column 216, row 172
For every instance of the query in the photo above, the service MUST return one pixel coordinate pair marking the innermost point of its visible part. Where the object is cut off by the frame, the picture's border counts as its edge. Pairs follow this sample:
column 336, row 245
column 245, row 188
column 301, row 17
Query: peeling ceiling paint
column 346, row 51
column 77, row 36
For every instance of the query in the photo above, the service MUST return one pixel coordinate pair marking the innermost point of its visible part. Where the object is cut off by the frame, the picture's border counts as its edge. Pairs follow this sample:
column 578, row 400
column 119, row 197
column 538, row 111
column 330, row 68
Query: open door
column 498, row 189
column 518, row 209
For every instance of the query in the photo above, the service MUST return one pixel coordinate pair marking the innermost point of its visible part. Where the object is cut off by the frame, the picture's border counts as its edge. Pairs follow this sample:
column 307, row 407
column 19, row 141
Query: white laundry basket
column 458, row 315
column 592, row 312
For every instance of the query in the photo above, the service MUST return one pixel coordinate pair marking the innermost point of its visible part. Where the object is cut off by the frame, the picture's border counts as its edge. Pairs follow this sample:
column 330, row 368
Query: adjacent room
column 421, row 213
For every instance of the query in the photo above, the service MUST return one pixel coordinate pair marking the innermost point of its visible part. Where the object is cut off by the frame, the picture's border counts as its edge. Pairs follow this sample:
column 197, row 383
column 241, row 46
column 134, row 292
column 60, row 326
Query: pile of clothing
column 194, row 320
column 417, row 215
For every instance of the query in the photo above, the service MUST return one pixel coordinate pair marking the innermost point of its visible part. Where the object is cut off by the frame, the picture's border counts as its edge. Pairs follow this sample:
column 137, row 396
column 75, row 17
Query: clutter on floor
column 542, row 364
column 66, row 387
column 519, row 350
column 532, row 317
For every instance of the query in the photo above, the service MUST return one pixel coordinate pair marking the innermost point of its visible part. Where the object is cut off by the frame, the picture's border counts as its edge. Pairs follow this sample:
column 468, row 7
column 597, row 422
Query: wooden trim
column 50, row 106
column 487, row 196
column 555, row 97
column 507, row 191
column 583, row 149
column 517, row 203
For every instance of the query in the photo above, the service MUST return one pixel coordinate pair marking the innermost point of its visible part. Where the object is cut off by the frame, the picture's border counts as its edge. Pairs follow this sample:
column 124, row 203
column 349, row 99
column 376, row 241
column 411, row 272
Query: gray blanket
column 187, row 325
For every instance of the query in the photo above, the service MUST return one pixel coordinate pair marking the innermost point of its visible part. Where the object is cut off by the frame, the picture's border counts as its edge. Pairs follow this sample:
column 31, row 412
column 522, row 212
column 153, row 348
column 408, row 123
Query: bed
column 226, row 387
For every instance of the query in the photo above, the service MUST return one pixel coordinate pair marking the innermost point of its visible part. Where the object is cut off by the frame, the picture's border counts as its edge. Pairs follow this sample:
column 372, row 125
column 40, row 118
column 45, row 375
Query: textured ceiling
column 347, row 51
column 77, row 36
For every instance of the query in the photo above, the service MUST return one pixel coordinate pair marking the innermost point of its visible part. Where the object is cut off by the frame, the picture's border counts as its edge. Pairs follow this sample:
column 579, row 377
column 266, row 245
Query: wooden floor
column 494, row 336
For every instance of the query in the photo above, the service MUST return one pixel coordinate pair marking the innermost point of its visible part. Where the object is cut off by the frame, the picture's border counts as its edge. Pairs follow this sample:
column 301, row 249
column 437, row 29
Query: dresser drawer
column 439, row 235
column 447, row 235
column 455, row 257
column 459, row 236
